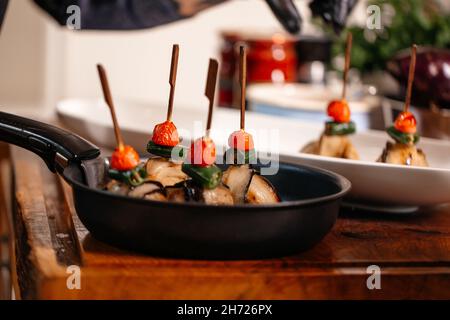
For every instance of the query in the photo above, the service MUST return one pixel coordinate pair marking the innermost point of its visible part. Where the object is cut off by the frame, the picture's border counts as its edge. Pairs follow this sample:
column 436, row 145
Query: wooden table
column 413, row 252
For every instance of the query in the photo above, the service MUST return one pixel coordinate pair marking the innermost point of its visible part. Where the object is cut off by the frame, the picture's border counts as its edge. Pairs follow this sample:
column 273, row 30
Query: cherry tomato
column 241, row 140
column 166, row 134
column 124, row 159
column 202, row 152
column 406, row 123
column 339, row 111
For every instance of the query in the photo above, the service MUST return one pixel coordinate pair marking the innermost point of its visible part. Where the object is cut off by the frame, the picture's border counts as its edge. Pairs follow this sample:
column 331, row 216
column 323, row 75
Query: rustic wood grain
column 413, row 252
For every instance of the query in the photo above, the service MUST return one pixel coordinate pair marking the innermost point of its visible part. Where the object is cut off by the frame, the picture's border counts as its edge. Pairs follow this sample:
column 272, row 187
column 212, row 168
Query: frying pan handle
column 55, row 146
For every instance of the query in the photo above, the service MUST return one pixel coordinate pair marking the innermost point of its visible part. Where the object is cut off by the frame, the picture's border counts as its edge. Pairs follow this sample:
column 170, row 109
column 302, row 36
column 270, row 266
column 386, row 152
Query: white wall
column 21, row 55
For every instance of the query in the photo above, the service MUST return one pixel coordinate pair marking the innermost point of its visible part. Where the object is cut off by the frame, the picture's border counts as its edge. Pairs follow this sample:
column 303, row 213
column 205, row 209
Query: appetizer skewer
column 205, row 184
column 165, row 140
column 165, row 177
column 334, row 141
column 404, row 131
column 128, row 176
column 245, row 184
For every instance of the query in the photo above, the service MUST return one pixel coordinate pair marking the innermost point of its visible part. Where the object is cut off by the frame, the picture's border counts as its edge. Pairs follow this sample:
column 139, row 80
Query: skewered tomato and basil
column 165, row 139
column 404, row 129
column 242, row 148
column 200, row 163
column 338, row 129
column 125, row 166
column 246, row 184
column 339, row 111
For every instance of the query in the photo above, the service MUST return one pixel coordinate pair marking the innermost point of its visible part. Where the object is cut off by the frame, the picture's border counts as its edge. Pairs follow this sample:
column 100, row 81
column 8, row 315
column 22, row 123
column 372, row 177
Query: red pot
column 269, row 59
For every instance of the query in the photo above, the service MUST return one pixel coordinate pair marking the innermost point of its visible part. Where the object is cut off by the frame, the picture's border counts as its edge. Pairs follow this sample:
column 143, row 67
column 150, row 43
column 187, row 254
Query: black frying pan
column 311, row 199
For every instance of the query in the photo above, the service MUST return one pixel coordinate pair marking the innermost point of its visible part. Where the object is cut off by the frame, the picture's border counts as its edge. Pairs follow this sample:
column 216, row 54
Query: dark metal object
column 55, row 146
column 314, row 55
column 115, row 14
column 3, row 7
column 333, row 12
column 287, row 14
column 311, row 199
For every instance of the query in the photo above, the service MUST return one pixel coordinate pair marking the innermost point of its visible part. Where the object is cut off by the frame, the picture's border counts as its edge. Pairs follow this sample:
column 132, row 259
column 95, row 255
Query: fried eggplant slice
column 237, row 178
column 261, row 191
column 188, row 191
column 117, row 187
column 399, row 153
column 332, row 146
column 247, row 186
column 150, row 190
column 164, row 171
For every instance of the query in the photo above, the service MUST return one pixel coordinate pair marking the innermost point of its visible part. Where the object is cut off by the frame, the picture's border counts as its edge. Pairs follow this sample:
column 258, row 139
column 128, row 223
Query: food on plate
column 334, row 142
column 165, row 171
column 189, row 191
column 173, row 174
column 205, row 183
column 126, row 172
column 248, row 186
column 164, row 145
column 149, row 190
column 404, row 131
column 245, row 183
column 406, row 154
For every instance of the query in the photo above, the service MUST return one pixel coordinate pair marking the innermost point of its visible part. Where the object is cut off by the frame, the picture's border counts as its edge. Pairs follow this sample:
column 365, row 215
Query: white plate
column 371, row 182
column 309, row 102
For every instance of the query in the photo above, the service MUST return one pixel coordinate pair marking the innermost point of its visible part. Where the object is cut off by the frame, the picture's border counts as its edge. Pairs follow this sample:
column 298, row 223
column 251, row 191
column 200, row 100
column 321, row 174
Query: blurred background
column 42, row 63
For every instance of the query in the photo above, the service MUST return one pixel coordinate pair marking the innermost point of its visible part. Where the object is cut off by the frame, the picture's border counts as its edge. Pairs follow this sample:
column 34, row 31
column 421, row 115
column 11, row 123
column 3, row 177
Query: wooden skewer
column 243, row 82
column 173, row 79
column 348, row 50
column 210, row 90
column 109, row 101
column 412, row 68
